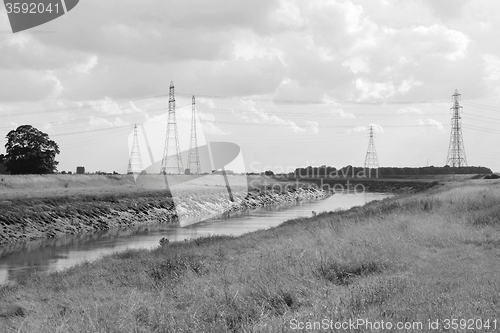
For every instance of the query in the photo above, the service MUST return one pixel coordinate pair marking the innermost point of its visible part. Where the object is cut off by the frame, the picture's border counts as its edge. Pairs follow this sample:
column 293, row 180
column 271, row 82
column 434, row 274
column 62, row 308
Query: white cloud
column 107, row 105
column 101, row 122
column 111, row 107
column 359, row 64
column 18, row 41
column 374, row 90
column 376, row 129
column 207, row 122
column 327, row 100
column 491, row 67
column 12, row 124
column 410, row 109
column 342, row 114
column 431, row 122
column 258, row 116
column 212, row 129
column 5, row 110
column 435, row 123
column 57, row 88
column 251, row 46
column 455, row 42
column 313, row 126
column 46, row 126
column 407, row 84
column 209, row 102
column 382, row 90
column 85, row 67
column 357, row 129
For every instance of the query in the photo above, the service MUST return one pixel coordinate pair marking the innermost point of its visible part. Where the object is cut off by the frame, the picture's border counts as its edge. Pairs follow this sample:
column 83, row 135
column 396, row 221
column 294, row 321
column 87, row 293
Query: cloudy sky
column 293, row 83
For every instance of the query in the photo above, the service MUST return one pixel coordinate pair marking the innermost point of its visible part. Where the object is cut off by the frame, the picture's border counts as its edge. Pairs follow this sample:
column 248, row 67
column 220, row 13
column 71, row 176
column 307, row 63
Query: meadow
column 429, row 257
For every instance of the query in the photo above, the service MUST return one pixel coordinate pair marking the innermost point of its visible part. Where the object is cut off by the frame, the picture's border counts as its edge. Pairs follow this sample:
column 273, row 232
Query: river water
column 19, row 260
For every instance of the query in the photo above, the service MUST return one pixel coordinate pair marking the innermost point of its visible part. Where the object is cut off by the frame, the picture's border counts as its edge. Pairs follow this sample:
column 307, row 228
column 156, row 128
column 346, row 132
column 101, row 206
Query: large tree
column 30, row 151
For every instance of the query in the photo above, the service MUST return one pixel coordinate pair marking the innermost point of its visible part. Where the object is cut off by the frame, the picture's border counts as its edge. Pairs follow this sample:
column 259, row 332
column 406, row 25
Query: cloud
column 410, row 109
column 207, row 122
column 447, row 9
column 212, row 129
column 431, row 122
column 242, row 49
column 376, row 129
column 85, row 67
column 25, row 85
column 57, row 87
column 95, row 122
column 258, row 116
column 455, row 42
column 342, row 114
column 491, row 72
column 5, row 110
column 359, row 64
column 383, row 90
column 46, row 126
column 111, row 107
column 313, row 126
column 199, row 30
column 357, row 129
column 12, row 124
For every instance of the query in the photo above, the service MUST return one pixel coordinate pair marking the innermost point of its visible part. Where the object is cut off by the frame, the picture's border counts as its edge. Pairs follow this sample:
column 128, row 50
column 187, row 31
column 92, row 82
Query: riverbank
column 85, row 207
column 429, row 256
column 386, row 185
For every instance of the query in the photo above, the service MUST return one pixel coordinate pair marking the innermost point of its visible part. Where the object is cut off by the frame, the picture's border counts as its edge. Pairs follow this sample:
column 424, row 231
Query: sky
column 293, row 83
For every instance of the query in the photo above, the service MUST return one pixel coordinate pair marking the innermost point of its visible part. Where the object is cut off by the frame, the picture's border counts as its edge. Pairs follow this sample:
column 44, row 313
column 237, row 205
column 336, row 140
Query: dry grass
column 43, row 186
column 432, row 256
column 50, row 213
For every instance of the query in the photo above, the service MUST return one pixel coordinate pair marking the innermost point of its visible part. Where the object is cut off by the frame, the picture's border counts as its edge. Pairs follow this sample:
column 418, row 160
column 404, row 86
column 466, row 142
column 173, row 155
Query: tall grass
column 416, row 258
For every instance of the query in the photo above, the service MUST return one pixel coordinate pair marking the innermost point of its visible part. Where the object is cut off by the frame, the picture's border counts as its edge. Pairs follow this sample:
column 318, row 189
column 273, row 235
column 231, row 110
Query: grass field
column 43, row 186
column 427, row 256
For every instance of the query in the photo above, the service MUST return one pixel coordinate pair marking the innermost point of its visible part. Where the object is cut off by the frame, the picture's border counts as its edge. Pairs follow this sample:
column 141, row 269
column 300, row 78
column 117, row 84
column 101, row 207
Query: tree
column 30, row 151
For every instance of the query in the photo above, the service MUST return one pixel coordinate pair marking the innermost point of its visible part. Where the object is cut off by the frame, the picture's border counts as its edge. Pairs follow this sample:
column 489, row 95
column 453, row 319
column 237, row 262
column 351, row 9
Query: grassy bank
column 37, row 207
column 427, row 256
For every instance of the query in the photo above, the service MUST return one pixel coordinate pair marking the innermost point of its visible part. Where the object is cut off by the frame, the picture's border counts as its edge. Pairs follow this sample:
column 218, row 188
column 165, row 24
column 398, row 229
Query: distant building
column 80, row 170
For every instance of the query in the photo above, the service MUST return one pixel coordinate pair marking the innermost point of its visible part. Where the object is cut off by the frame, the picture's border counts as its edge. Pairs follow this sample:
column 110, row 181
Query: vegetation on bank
column 426, row 256
column 88, row 209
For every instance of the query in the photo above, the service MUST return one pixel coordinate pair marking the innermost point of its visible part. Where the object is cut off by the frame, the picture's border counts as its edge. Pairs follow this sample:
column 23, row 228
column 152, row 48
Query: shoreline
column 25, row 220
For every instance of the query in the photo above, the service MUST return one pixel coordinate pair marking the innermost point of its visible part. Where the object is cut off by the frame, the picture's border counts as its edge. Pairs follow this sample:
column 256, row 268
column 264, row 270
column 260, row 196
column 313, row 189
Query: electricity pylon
column 172, row 161
column 456, row 151
column 193, row 166
column 371, row 160
column 135, row 160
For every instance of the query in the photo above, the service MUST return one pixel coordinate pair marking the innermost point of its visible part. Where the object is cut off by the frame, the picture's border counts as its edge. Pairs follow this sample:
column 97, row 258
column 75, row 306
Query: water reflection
column 19, row 260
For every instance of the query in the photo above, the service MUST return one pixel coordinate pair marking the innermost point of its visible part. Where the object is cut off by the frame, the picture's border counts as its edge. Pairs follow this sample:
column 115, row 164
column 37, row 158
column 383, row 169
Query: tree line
column 359, row 172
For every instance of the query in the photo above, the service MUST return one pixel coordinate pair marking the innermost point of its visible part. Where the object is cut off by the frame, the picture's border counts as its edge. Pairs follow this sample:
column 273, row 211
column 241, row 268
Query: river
column 17, row 261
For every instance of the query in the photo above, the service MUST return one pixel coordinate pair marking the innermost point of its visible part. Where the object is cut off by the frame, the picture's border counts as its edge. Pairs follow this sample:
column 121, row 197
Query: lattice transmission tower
column 135, row 160
column 456, row 151
column 172, row 161
column 371, row 159
column 193, row 165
